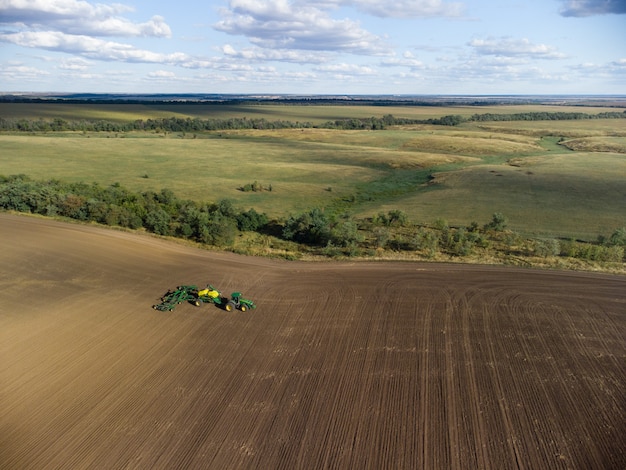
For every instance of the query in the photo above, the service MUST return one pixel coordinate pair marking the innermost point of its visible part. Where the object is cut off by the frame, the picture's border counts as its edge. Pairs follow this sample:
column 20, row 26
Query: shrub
column 309, row 227
column 381, row 236
column 546, row 248
column 498, row 222
column 618, row 237
column 345, row 234
column 441, row 224
column 251, row 221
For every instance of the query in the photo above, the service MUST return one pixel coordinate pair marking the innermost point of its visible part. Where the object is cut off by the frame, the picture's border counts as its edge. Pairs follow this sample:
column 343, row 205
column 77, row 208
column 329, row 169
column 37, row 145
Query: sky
column 353, row 47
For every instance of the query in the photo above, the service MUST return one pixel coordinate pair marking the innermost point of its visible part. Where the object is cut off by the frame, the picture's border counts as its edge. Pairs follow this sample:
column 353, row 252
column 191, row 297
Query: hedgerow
column 314, row 231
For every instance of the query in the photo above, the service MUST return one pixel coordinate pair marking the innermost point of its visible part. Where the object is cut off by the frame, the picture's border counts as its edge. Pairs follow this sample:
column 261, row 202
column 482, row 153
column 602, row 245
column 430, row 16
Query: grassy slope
column 544, row 190
column 579, row 195
column 201, row 169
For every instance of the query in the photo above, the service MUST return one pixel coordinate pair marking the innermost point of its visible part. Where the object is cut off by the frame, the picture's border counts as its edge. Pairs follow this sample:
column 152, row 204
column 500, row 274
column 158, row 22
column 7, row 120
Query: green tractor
column 239, row 303
column 191, row 294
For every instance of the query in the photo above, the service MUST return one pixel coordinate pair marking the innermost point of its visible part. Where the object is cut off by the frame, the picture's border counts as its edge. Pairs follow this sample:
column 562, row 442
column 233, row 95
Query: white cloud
column 343, row 68
column 616, row 68
column 397, row 8
column 78, row 17
column 408, row 8
column 161, row 74
column 514, row 48
column 407, row 60
column 20, row 73
column 90, row 47
column 581, row 8
column 278, row 24
column 279, row 55
column 74, row 63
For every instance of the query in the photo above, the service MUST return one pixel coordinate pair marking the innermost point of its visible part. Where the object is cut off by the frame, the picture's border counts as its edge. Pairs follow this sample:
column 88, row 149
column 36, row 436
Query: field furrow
column 342, row 365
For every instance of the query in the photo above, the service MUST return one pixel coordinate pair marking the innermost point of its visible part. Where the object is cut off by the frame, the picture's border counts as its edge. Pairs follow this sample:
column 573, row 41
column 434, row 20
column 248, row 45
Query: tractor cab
column 238, row 302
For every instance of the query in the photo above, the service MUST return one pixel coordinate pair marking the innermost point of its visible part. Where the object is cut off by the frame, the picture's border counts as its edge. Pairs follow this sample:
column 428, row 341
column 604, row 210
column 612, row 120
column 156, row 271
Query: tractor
column 191, row 294
column 238, row 302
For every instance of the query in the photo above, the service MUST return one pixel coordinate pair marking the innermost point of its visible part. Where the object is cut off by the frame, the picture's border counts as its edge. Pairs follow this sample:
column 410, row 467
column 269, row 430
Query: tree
column 251, row 220
column 309, row 227
column 157, row 221
column 397, row 217
column 226, row 208
column 345, row 233
column 498, row 222
column 219, row 231
column 618, row 237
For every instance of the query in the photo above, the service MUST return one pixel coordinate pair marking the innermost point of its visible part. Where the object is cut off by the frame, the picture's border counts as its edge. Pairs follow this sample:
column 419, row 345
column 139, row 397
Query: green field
column 461, row 174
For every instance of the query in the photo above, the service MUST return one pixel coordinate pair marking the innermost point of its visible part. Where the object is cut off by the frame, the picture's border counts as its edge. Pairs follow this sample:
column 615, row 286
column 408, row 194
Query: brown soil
column 342, row 365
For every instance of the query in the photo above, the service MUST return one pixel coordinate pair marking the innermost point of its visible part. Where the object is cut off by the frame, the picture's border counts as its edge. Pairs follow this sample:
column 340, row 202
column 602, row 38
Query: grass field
column 460, row 174
column 565, row 195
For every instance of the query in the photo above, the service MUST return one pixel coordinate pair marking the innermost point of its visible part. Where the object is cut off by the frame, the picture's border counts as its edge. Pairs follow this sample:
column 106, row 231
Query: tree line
column 314, row 230
column 177, row 124
column 160, row 212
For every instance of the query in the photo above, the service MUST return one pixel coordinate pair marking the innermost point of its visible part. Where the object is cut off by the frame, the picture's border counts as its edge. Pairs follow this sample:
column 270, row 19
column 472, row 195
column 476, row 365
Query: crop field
column 461, row 174
column 341, row 365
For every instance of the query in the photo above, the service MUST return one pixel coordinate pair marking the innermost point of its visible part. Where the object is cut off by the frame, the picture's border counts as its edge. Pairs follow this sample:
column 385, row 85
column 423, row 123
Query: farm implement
column 191, row 294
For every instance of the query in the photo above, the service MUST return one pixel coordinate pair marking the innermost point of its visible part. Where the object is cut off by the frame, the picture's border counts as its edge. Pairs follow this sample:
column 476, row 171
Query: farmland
column 342, row 365
column 375, row 359
column 550, row 178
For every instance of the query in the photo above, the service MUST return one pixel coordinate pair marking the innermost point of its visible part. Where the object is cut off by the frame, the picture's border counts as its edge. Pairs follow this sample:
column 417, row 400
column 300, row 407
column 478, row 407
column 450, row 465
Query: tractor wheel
column 230, row 306
column 243, row 308
column 197, row 303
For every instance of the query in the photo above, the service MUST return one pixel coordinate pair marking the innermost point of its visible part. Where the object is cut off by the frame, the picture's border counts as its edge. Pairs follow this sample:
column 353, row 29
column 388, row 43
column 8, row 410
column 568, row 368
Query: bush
column 546, row 248
column 345, row 234
column 310, row 227
column 427, row 241
column 498, row 222
column 251, row 221
column 381, row 236
column 618, row 237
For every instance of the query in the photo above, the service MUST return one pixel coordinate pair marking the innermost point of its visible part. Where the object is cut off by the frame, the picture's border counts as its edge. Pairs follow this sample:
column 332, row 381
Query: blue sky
column 322, row 47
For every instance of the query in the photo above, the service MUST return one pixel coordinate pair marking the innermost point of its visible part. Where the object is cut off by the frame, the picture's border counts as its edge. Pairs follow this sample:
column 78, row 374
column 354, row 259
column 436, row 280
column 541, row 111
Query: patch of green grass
column 597, row 144
column 580, row 195
column 200, row 169
column 573, row 128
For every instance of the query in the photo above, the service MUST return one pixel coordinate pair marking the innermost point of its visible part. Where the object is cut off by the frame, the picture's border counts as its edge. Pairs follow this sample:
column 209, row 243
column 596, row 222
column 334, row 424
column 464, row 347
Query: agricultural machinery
column 238, row 302
column 191, row 294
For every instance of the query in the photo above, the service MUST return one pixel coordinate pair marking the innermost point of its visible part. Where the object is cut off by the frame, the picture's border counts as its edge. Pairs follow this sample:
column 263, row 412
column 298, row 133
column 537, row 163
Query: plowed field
column 342, row 365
